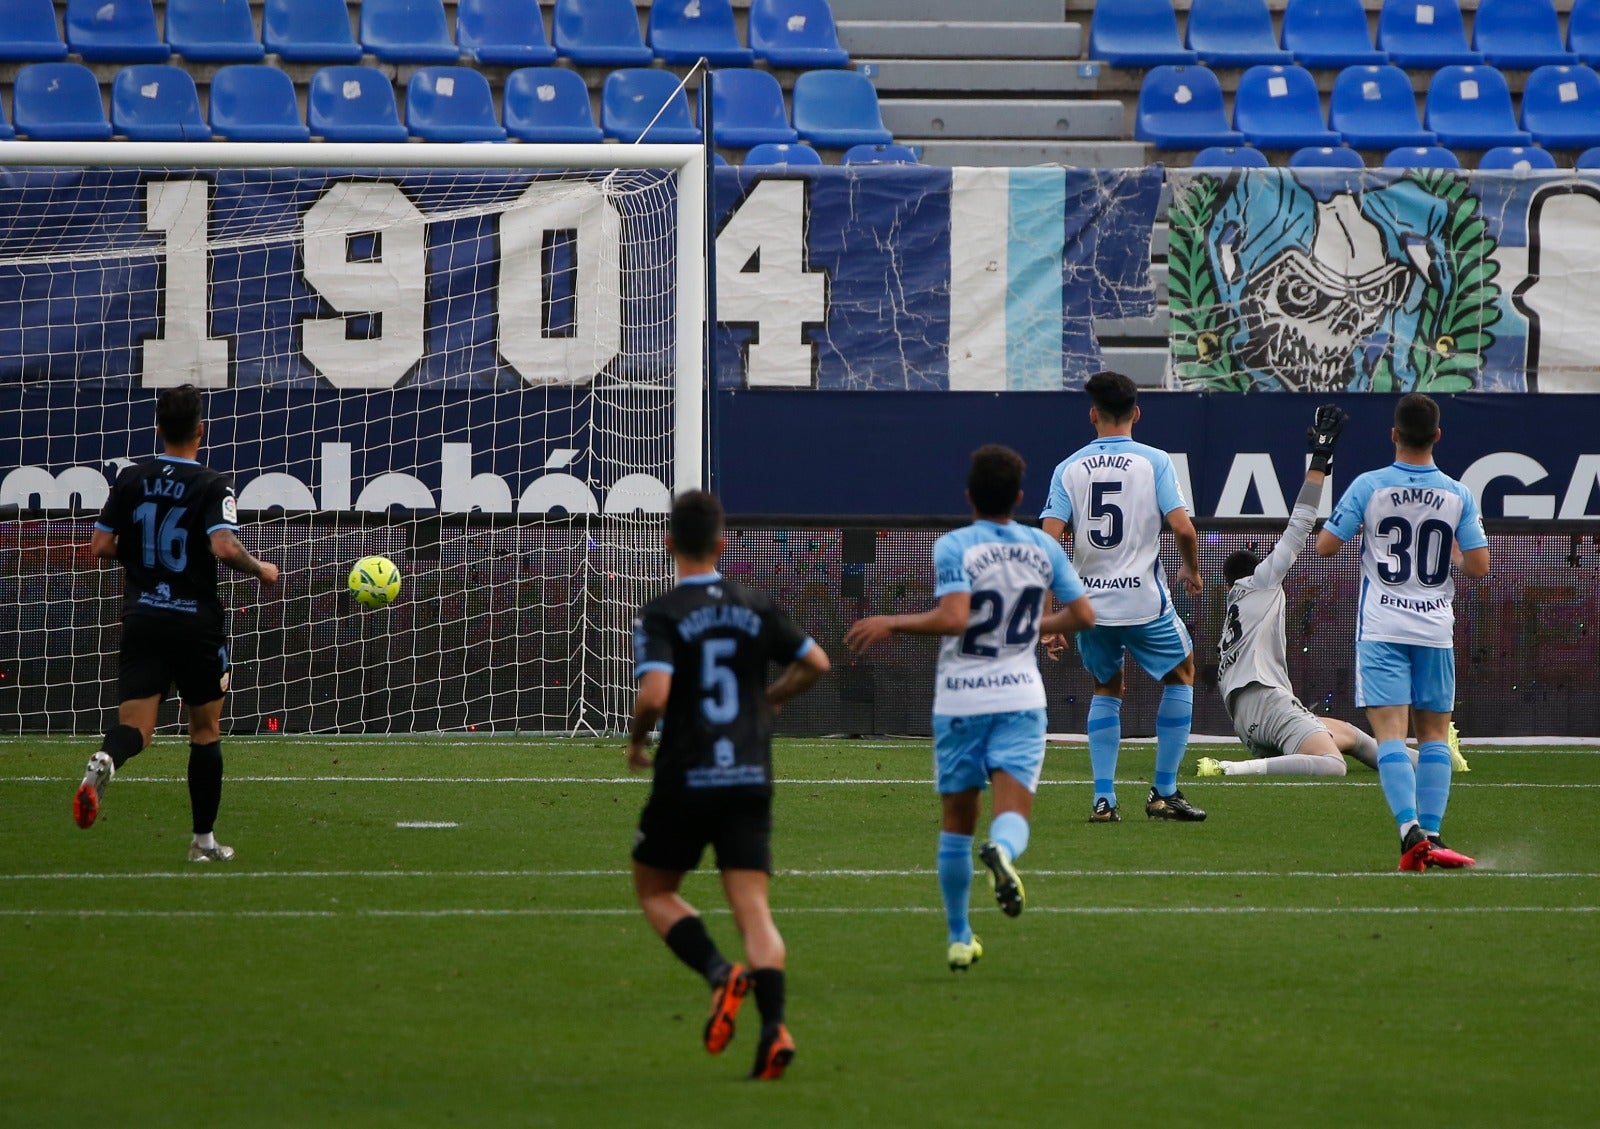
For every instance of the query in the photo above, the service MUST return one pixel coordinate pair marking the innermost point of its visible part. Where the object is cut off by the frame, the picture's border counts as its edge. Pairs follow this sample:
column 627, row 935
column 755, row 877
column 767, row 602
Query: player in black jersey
column 169, row 521
column 701, row 653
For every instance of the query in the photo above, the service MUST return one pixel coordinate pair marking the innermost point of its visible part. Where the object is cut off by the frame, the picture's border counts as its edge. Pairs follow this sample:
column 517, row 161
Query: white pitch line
column 211, row 875
column 841, row 781
column 853, row 911
column 431, row 824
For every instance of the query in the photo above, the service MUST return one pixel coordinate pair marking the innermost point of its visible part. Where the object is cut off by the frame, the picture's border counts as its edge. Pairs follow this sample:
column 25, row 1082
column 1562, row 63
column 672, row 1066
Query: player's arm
column 799, row 676
column 1321, row 439
column 1470, row 538
column 103, row 544
column 649, row 706
column 1067, row 619
column 1070, row 599
column 1188, row 548
column 227, row 548
column 950, row 617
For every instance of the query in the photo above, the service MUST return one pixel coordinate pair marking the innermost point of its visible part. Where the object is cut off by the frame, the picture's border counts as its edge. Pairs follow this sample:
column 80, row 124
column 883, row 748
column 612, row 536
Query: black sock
column 769, row 995
column 205, row 785
column 691, row 944
column 122, row 742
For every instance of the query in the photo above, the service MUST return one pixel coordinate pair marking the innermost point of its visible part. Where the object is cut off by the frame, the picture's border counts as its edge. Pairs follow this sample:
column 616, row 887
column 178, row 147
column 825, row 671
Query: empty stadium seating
column 157, row 102
column 1329, row 34
column 59, row 102
column 407, row 31
column 640, row 100
column 795, row 33
column 213, row 31
column 1588, row 159
column 353, row 104
column 1233, row 33
column 1561, row 107
column 1583, row 30
column 1421, row 157
column 1517, row 158
column 549, row 104
column 503, row 32
column 1326, row 157
column 1181, row 108
column 1470, row 107
column 838, row 109
column 255, row 103
column 1519, row 34
column 600, row 33
column 684, row 31
column 115, row 31
column 309, row 31
column 879, row 155
column 451, row 104
column 779, row 155
column 1374, row 108
column 1279, row 108
column 1230, row 157
column 1424, row 33
column 29, row 32
column 747, row 109
column 1137, row 33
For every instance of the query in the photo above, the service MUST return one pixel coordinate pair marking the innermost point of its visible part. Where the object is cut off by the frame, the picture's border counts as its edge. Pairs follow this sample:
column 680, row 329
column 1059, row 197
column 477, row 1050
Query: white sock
column 207, row 841
column 1295, row 764
column 1244, row 768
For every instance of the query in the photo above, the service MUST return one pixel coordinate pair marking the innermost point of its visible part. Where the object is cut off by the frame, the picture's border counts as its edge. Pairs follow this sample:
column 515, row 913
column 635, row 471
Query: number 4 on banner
column 762, row 281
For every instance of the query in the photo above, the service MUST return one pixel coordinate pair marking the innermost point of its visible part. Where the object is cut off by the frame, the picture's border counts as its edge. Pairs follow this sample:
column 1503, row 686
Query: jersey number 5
column 1110, row 535
column 720, row 688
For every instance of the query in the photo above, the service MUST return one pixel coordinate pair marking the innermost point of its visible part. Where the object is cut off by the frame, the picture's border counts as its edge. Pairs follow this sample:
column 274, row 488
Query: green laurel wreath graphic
column 1200, row 333
column 1447, row 352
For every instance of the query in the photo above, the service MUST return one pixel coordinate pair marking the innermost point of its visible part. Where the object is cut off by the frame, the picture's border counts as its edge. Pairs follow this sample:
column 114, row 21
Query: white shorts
column 1270, row 721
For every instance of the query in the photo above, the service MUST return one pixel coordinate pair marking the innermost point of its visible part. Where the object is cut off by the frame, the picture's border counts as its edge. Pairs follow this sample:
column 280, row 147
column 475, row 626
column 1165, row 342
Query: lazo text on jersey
column 163, row 488
column 701, row 620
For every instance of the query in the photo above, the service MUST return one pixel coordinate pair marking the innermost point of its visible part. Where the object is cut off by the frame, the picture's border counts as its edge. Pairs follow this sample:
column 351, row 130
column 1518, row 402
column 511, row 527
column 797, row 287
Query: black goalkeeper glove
column 1323, row 436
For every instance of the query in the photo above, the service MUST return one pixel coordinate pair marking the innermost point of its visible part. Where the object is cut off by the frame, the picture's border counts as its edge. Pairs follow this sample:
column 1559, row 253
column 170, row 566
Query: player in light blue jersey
column 989, row 702
column 1413, row 515
column 1114, row 494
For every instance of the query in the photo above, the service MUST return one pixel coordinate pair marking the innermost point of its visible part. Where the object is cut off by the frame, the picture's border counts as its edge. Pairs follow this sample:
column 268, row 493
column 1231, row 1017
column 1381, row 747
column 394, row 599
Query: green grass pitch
column 1265, row 968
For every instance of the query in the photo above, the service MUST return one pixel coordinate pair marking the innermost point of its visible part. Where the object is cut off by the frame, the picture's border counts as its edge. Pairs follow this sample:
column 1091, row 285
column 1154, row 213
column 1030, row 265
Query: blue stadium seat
column 1279, row 108
column 353, row 104
column 1137, row 33
column 838, row 109
column 451, row 104
column 115, row 31
column 890, row 154
column 1233, row 33
column 684, row 31
column 1424, row 33
column 1517, row 158
column 407, row 31
column 1583, row 30
column 29, row 32
column 549, row 104
column 1329, row 34
column 59, row 102
column 213, row 31
column 630, row 100
column 782, row 155
column 1588, row 159
column 1230, row 157
column 157, row 102
column 1181, row 108
column 1374, row 108
column 1326, row 157
column 506, row 33
column 1470, row 108
column 1421, row 157
column 255, row 103
column 309, row 31
column 1561, row 107
column 600, row 33
column 6, row 132
column 747, row 109
column 1519, row 34
column 795, row 33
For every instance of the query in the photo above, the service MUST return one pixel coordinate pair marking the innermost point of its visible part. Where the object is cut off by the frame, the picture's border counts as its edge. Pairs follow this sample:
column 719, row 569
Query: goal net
column 483, row 362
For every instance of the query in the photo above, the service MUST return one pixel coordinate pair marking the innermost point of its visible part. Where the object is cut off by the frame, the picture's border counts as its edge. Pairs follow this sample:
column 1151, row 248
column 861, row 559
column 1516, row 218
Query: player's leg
column 764, row 949
column 1014, row 758
column 1100, row 649
column 1383, row 689
column 1352, row 742
column 1165, row 652
column 1287, row 738
column 1434, row 692
column 202, row 677
column 143, row 677
column 959, row 776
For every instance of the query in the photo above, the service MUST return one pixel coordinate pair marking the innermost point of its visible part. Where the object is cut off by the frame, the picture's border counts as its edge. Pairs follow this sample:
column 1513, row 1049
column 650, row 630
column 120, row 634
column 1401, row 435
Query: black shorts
column 157, row 655
column 675, row 827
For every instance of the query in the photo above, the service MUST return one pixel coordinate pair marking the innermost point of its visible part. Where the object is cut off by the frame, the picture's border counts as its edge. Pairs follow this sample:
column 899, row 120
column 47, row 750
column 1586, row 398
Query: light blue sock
column 1399, row 780
column 1433, row 784
column 955, row 882
column 1105, row 735
column 1010, row 830
column 1173, row 718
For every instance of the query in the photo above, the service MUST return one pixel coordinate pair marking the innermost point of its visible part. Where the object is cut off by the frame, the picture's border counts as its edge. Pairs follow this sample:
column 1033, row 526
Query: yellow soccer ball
column 375, row 581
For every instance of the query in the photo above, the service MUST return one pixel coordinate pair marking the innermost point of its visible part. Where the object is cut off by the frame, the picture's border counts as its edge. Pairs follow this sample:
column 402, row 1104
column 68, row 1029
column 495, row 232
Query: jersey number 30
column 1432, row 538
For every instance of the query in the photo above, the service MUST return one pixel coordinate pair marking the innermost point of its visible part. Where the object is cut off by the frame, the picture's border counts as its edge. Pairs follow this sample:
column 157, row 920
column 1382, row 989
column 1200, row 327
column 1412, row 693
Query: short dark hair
column 178, row 413
column 1416, row 418
column 1240, row 564
column 995, row 480
column 695, row 524
column 1114, row 394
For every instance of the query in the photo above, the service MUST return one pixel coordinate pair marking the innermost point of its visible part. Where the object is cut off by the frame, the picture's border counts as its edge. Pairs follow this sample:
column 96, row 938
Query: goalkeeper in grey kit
column 1282, row 735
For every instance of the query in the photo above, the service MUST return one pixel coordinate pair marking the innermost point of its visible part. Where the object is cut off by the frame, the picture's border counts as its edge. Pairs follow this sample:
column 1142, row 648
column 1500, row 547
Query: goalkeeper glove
column 1323, row 435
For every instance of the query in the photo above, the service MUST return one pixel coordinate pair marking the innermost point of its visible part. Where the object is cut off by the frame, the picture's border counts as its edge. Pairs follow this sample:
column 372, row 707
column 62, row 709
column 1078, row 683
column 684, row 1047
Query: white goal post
column 483, row 360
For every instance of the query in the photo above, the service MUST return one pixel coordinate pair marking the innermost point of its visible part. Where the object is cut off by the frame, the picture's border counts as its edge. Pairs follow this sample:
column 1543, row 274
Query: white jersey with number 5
column 1411, row 515
column 1114, row 494
column 993, row 666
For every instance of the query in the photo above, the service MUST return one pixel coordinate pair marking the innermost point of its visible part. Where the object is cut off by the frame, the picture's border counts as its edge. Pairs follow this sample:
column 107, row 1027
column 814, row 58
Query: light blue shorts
column 1159, row 647
column 1406, row 674
column 967, row 749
